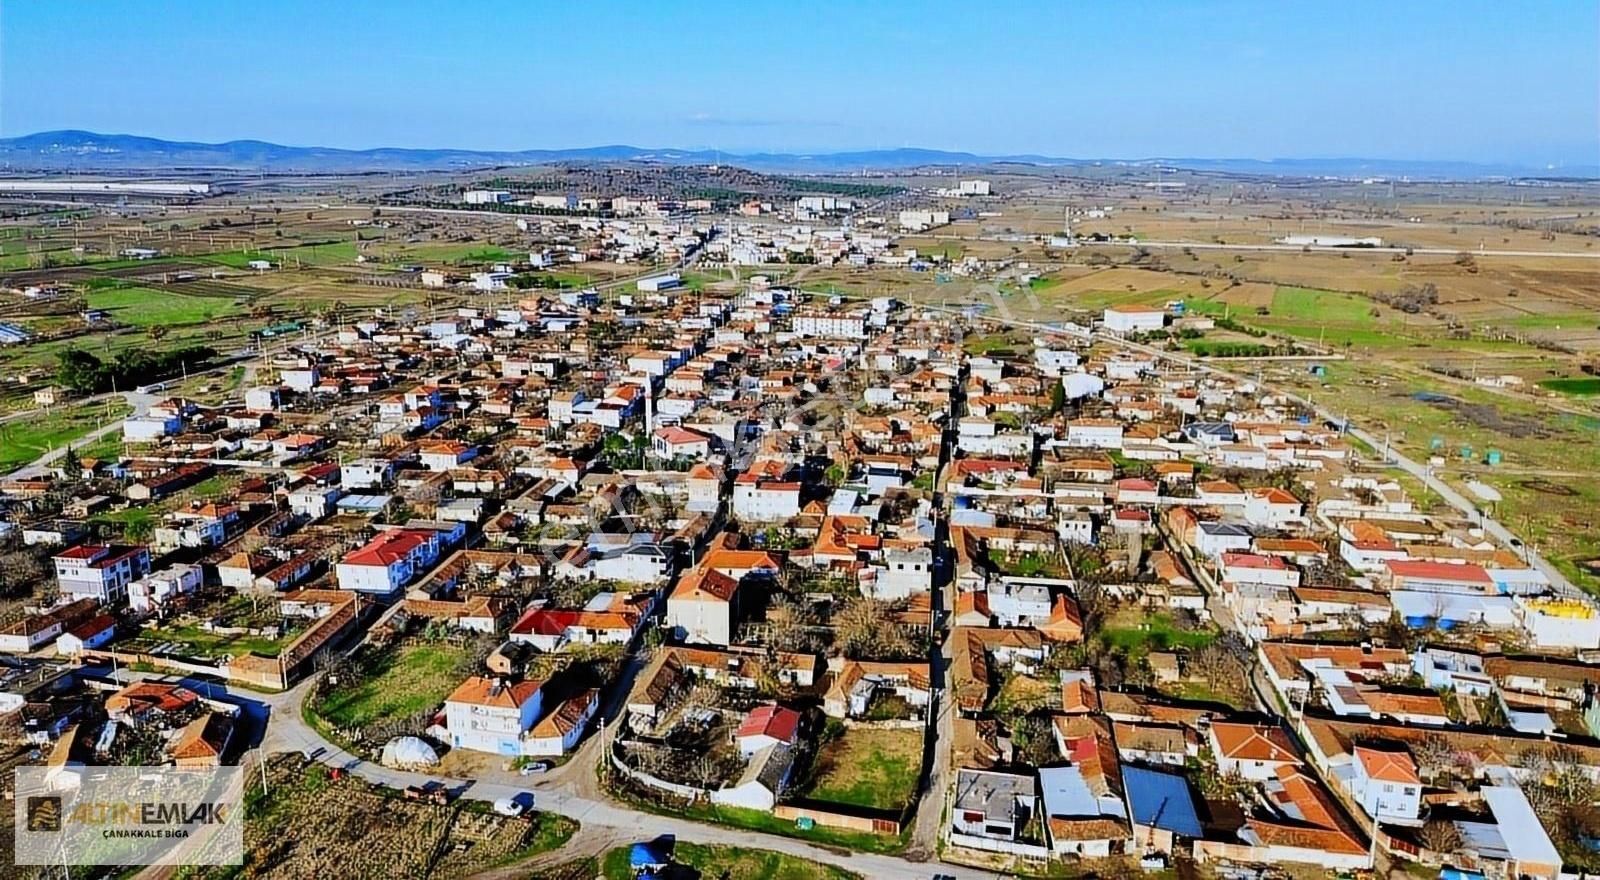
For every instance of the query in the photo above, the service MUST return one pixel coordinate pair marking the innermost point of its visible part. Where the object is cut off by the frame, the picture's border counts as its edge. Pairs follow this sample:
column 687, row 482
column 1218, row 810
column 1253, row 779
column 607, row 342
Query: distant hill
column 88, row 151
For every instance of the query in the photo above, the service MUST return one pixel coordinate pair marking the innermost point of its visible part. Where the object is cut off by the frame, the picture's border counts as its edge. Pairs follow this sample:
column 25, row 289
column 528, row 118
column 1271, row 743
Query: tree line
column 86, row 373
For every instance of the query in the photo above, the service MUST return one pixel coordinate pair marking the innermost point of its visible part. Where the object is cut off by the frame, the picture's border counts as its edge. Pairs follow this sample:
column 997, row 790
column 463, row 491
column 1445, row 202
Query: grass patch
column 876, row 769
column 1031, row 564
column 766, row 823
column 403, row 681
column 1141, row 633
column 25, row 439
column 1321, row 306
column 1577, row 386
column 729, row 863
column 144, row 307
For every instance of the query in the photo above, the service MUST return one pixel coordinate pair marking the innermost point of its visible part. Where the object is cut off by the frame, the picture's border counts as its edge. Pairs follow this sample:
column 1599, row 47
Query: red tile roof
column 771, row 720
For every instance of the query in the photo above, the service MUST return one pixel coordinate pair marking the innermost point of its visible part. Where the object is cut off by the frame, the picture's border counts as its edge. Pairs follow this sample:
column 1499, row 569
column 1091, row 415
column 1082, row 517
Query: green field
column 24, row 439
column 1139, row 634
column 404, row 681
column 1321, row 306
column 729, row 863
column 205, row 643
column 450, row 252
column 876, row 769
column 144, row 307
column 1577, row 386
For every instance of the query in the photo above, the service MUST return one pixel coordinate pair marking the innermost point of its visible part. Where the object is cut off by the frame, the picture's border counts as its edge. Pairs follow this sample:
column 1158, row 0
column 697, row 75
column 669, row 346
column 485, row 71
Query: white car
column 514, row 805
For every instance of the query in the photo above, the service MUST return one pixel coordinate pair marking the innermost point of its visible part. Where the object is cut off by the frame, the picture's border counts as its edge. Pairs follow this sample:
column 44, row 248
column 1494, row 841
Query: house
column 905, row 571
column 703, row 606
column 1516, row 842
column 1083, row 811
column 704, row 482
column 389, row 561
column 1272, row 508
column 1212, row 539
column 100, row 571
column 558, row 732
column 763, row 781
column 607, row 619
column 766, row 726
column 858, row 682
column 1386, row 785
column 141, row 698
column 674, row 442
column 1251, row 751
column 88, row 635
column 761, row 495
column 37, row 630
column 366, row 473
column 990, row 805
column 446, row 455
column 313, row 501
column 492, row 715
column 1161, row 806
column 1099, row 433
column 201, row 743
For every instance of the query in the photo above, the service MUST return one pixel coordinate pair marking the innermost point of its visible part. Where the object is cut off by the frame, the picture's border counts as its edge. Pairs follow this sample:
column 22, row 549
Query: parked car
column 514, row 805
column 533, row 767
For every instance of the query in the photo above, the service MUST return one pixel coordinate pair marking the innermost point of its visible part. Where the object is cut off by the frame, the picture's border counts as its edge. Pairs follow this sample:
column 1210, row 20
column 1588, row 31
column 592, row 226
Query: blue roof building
column 1161, row 801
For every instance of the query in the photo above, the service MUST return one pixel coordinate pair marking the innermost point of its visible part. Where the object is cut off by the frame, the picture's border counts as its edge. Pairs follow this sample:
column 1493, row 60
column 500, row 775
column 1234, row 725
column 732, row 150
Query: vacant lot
column 1139, row 633
column 729, row 863
column 397, row 683
column 876, row 769
column 312, row 826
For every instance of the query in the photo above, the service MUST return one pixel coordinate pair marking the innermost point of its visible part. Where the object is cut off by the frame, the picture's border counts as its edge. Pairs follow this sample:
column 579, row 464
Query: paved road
column 288, row 732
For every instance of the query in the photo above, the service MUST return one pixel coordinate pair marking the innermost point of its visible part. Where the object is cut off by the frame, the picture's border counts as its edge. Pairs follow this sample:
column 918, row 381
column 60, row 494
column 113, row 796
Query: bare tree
column 865, row 633
column 1434, row 754
column 1441, row 836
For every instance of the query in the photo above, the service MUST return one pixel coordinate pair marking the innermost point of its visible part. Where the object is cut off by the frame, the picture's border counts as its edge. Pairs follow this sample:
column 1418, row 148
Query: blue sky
column 1476, row 81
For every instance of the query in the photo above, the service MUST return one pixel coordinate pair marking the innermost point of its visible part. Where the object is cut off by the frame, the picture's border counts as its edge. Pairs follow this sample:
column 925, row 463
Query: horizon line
column 800, row 153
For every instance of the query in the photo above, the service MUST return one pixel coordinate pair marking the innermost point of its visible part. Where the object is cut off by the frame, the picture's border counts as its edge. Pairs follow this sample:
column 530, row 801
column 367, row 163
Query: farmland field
column 1585, row 386
column 876, row 769
column 144, row 307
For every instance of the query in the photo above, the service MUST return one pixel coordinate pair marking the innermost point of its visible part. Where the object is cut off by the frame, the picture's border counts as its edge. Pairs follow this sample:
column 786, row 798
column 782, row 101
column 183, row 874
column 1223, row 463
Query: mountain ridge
column 77, row 150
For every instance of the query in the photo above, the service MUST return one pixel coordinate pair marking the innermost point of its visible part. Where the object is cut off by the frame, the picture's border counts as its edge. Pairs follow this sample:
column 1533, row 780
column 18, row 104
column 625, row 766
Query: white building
column 389, row 561
column 829, row 325
column 918, row 220
column 1134, row 319
column 485, row 196
column 1386, row 785
column 100, row 571
column 150, row 592
column 490, row 715
column 905, row 571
